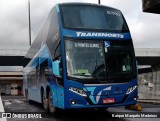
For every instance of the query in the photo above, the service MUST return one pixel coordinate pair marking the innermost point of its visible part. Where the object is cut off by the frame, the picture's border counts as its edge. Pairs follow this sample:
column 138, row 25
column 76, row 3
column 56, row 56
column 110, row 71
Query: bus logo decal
column 99, row 94
column 99, row 34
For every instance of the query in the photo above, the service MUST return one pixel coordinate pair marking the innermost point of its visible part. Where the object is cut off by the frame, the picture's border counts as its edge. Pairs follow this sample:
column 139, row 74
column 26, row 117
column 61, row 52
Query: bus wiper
column 96, row 78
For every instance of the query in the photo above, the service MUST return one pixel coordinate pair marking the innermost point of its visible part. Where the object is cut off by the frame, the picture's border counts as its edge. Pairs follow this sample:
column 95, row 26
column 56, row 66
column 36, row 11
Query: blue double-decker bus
column 82, row 57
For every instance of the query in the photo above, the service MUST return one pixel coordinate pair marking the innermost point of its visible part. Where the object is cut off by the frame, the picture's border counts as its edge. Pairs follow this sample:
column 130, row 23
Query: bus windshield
column 92, row 17
column 89, row 59
column 83, row 57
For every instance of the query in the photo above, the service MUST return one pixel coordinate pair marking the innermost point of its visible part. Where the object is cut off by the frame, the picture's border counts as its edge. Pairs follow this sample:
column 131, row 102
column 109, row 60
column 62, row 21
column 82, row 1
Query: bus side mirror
column 56, row 68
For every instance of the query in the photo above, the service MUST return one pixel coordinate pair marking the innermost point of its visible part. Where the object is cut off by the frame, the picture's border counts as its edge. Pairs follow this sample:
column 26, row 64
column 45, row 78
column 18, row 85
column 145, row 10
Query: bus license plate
column 108, row 100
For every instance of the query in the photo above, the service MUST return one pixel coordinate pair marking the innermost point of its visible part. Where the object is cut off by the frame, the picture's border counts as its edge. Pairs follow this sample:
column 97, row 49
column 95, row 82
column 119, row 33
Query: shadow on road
column 82, row 115
column 77, row 114
column 22, row 106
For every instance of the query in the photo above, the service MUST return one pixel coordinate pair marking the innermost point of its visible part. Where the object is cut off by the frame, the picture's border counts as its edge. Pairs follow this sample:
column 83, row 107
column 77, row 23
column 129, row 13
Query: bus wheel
column 45, row 103
column 52, row 109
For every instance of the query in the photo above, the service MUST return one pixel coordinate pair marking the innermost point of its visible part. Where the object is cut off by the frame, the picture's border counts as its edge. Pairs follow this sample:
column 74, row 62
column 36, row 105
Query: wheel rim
column 45, row 103
column 51, row 107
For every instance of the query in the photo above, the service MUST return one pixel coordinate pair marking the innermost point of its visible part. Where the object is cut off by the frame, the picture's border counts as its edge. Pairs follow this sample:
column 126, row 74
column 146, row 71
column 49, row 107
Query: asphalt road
column 20, row 105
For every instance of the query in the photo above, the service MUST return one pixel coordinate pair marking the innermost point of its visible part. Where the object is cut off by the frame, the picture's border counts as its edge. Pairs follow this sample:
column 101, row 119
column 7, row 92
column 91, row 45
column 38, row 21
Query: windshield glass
column 120, row 58
column 92, row 17
column 119, row 63
column 84, row 57
column 100, row 60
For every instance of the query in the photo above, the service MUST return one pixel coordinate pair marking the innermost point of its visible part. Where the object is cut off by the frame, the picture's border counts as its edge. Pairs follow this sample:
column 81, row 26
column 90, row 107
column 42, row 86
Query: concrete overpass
column 14, row 57
column 11, row 76
column 10, row 82
column 148, row 56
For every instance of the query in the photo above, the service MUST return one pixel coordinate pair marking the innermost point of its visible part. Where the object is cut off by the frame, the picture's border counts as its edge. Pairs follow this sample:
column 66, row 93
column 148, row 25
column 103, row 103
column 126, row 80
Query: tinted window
column 91, row 17
column 58, row 51
column 84, row 57
column 53, row 35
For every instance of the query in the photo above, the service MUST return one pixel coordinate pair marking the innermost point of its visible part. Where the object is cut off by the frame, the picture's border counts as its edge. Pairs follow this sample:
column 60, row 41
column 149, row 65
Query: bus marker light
column 135, row 98
column 73, row 102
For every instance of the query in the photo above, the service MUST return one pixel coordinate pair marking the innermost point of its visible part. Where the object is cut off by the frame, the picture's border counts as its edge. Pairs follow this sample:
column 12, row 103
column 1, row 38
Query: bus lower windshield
column 88, row 59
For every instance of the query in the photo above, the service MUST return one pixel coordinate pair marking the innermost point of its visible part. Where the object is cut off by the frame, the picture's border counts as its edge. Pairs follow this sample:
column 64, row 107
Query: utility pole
column 99, row 1
column 29, row 22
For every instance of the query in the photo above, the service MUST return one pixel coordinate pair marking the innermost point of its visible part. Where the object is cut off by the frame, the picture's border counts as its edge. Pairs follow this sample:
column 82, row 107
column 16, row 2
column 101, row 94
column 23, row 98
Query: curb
column 156, row 102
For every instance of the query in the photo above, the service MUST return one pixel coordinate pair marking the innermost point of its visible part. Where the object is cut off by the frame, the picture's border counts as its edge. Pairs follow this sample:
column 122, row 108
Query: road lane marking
column 2, row 110
column 18, row 101
column 7, row 103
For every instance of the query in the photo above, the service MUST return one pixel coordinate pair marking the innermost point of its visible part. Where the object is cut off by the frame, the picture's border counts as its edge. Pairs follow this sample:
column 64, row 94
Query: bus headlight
column 131, row 89
column 78, row 91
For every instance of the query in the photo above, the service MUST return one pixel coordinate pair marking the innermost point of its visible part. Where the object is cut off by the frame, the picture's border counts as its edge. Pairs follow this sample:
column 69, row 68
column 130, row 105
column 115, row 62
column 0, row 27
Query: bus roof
column 85, row 4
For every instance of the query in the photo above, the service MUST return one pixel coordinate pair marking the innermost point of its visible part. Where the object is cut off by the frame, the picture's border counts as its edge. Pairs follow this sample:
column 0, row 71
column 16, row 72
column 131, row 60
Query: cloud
column 14, row 19
column 41, row 9
column 13, row 22
column 144, row 27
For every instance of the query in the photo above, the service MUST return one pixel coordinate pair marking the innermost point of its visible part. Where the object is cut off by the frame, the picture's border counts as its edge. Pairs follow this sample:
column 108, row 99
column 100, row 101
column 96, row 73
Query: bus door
column 57, row 71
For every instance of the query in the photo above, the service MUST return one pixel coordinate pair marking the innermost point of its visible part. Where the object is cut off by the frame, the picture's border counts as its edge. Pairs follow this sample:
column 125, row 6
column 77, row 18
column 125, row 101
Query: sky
column 144, row 27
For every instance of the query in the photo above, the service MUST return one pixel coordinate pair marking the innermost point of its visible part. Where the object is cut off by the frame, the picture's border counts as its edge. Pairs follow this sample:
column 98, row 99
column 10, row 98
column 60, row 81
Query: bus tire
column 52, row 109
column 45, row 102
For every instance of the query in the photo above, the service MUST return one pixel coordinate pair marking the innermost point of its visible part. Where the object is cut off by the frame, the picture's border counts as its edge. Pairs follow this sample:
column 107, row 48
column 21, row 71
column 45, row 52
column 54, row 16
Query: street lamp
column 99, row 1
column 29, row 22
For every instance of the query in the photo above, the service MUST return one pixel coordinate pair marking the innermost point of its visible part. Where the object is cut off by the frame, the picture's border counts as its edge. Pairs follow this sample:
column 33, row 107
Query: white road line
column 18, row 101
column 2, row 110
column 7, row 103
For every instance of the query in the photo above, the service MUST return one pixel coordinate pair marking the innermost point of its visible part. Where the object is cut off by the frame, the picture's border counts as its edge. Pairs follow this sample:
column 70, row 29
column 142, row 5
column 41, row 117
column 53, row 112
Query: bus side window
column 58, row 51
column 60, row 66
column 58, row 56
